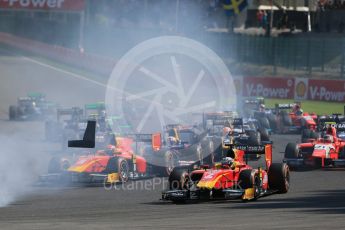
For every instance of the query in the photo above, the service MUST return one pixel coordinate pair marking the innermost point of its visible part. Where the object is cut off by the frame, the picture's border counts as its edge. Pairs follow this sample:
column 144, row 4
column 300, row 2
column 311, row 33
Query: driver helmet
column 262, row 107
column 172, row 139
column 297, row 109
column 328, row 138
column 227, row 161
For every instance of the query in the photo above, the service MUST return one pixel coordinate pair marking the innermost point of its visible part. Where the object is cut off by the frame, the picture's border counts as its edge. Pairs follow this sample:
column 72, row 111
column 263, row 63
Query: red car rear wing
column 265, row 149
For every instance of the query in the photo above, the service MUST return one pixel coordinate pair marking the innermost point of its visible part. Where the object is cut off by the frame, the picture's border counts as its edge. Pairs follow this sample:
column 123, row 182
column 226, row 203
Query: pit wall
column 268, row 87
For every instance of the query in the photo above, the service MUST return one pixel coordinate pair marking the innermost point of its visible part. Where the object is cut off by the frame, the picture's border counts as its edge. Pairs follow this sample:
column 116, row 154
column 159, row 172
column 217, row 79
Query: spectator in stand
column 264, row 19
column 259, row 17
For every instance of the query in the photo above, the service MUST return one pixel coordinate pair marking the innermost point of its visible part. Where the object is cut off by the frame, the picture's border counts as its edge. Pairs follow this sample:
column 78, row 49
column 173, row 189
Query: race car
column 71, row 124
column 222, row 126
column 328, row 151
column 32, row 107
column 214, row 124
column 67, row 119
column 254, row 108
column 244, row 132
column 294, row 121
column 232, row 178
column 117, row 163
column 249, row 132
column 181, row 145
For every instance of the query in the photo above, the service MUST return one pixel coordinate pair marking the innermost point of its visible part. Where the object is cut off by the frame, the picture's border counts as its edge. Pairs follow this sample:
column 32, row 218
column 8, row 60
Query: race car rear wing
column 284, row 106
column 218, row 119
column 70, row 111
column 88, row 139
column 265, row 149
column 256, row 100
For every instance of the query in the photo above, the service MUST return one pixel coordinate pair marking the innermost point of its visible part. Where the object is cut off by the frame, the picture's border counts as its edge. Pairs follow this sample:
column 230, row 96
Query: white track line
column 78, row 76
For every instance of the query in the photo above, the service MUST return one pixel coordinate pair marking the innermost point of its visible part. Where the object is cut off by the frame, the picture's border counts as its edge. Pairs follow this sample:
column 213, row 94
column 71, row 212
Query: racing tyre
column 306, row 133
column 264, row 134
column 248, row 179
column 123, row 170
column 272, row 120
column 254, row 138
column 58, row 165
column 12, row 114
column 291, row 151
column 264, row 123
column 286, row 119
column 179, row 179
column 279, row 177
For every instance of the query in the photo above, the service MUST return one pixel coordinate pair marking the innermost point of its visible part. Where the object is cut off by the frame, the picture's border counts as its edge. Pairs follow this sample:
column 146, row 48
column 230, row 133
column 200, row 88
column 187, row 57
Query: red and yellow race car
column 117, row 163
column 321, row 152
column 230, row 179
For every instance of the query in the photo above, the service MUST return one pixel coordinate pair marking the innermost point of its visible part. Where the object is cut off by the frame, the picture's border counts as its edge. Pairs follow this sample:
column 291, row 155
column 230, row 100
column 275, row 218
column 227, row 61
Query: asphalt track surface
column 315, row 200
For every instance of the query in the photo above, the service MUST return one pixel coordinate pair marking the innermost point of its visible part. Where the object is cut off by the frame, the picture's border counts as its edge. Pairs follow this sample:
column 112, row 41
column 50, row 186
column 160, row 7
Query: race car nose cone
column 319, row 153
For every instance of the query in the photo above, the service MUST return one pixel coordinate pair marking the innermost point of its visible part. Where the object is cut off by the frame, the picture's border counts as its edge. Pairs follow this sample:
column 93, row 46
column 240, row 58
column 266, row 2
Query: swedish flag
column 232, row 7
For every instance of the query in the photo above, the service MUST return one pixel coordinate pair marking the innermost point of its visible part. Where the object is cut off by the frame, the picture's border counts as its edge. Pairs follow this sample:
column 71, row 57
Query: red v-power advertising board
column 50, row 5
column 294, row 88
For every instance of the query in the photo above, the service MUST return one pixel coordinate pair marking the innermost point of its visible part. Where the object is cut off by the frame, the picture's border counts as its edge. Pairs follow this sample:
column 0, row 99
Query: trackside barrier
column 294, row 88
column 268, row 87
column 91, row 62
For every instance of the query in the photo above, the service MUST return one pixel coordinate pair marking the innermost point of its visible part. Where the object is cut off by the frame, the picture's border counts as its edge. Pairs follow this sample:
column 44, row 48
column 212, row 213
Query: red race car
column 321, row 152
column 117, row 163
column 230, row 179
column 293, row 121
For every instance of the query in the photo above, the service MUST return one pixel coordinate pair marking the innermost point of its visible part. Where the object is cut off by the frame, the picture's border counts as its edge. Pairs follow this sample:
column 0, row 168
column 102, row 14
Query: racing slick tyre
column 246, row 179
column 264, row 134
column 12, row 114
column 291, row 151
column 179, row 179
column 306, row 133
column 279, row 177
column 249, row 179
column 123, row 170
column 286, row 118
column 272, row 120
column 58, row 165
column 254, row 138
column 264, row 123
